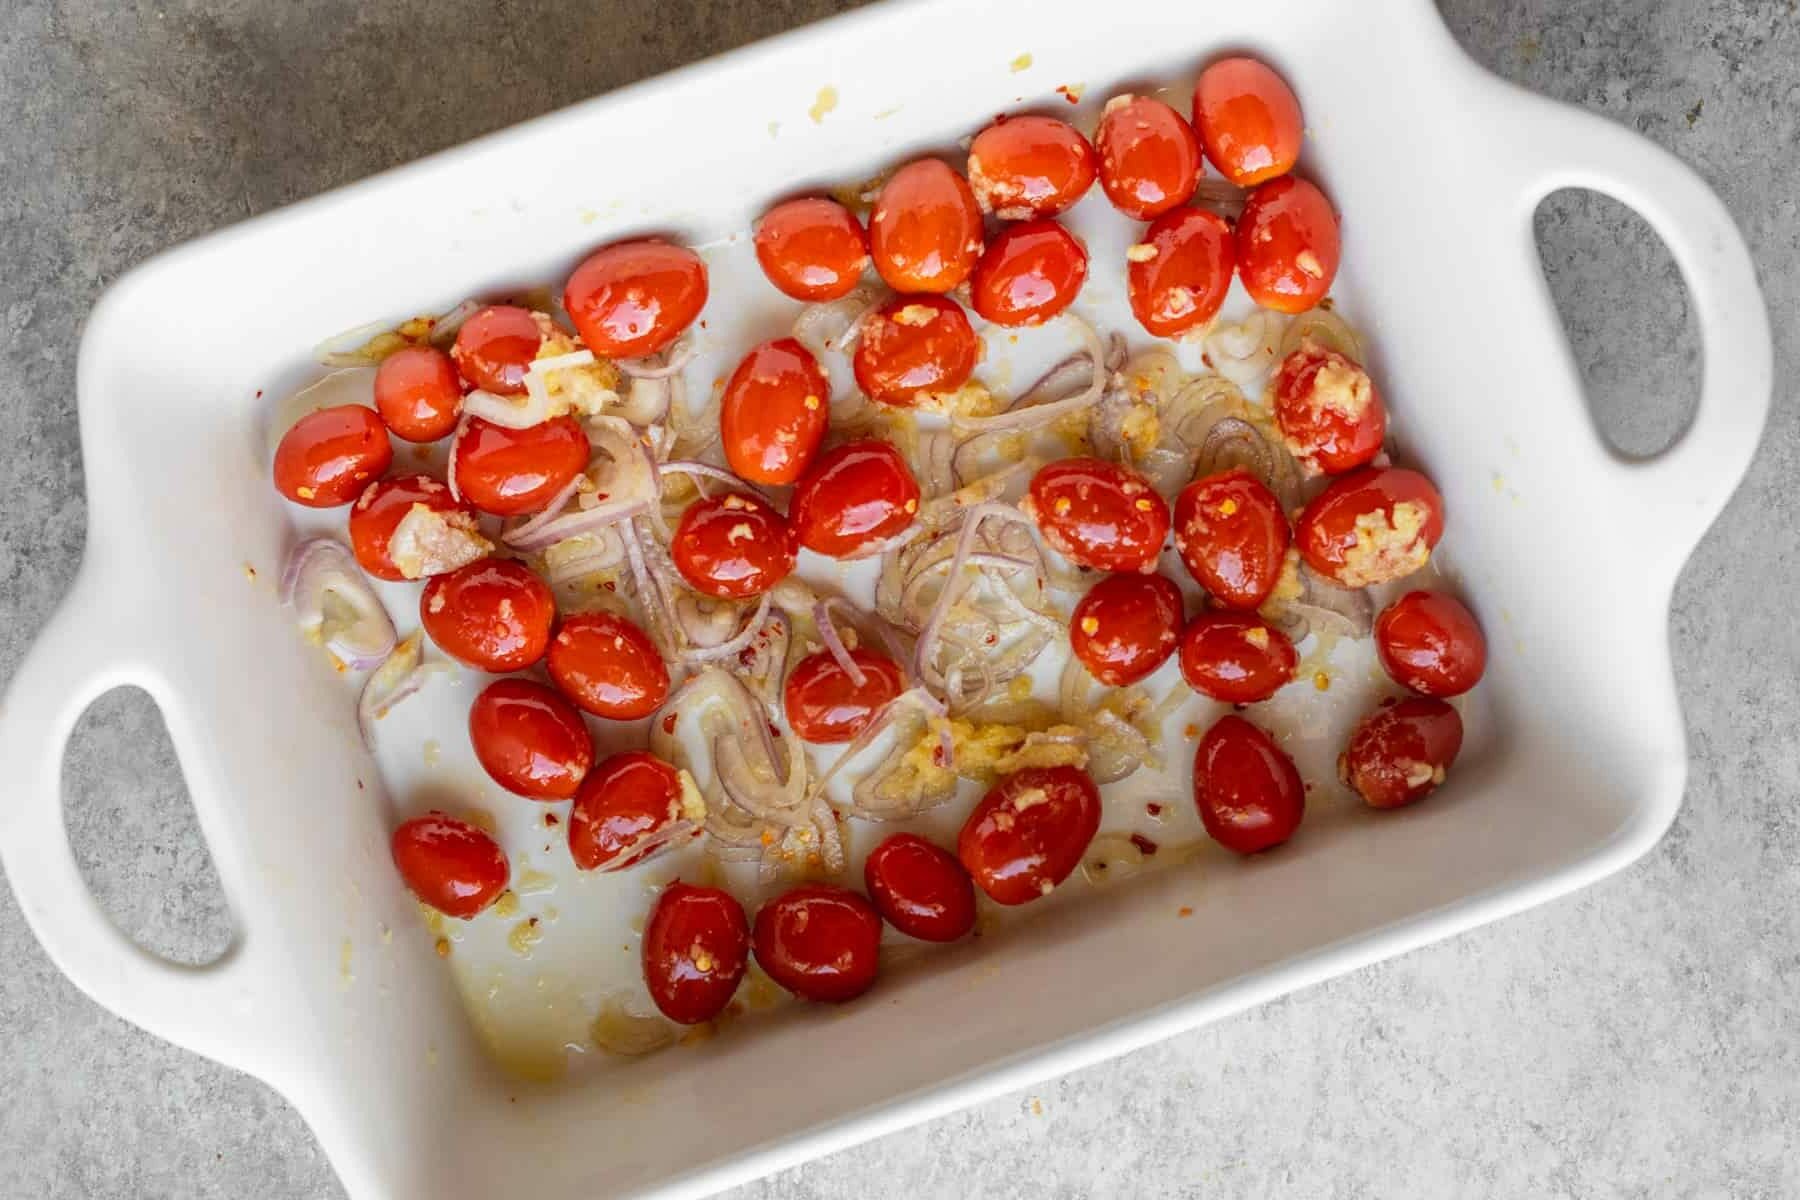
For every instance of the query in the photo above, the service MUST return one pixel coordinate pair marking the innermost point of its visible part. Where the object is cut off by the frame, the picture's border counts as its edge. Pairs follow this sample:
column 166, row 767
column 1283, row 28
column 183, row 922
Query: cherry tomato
column 1126, row 627
column 418, row 394
column 379, row 511
column 1249, row 794
column 774, row 412
column 1399, row 754
column 608, row 666
column 1236, row 657
column 1372, row 526
column 631, row 807
column 825, row 704
column 812, row 249
column 493, row 615
column 508, row 472
column 920, row 889
column 926, row 230
column 1330, row 414
column 1030, row 272
column 1431, row 643
column 696, row 946
column 853, row 497
column 1098, row 514
column 1232, row 534
column 1149, row 156
column 327, row 458
column 1287, row 245
column 495, row 347
column 1177, row 277
column 912, row 345
column 1248, row 120
column 1029, row 832
column 449, row 864
column 820, row 942
column 634, row 298
column 732, row 546
column 1024, row 167
column 530, row 739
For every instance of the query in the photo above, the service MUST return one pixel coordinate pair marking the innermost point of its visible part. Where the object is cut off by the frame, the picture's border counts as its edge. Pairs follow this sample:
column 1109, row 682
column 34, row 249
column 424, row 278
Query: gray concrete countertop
column 1641, row 1039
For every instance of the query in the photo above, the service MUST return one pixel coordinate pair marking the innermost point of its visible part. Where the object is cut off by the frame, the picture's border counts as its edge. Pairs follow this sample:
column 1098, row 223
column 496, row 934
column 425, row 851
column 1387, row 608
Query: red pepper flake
column 669, row 722
column 610, row 586
column 1206, row 359
column 359, row 785
column 259, row 393
column 550, row 820
column 1184, row 911
column 1067, row 93
column 1153, row 808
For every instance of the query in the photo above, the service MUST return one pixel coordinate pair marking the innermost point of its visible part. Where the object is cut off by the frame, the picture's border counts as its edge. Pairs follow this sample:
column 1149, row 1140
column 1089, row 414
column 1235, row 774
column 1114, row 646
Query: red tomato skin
column 530, row 740
column 825, row 706
column 418, row 394
column 1232, row 534
column 634, row 298
column 1401, row 751
column 1030, row 272
column 925, row 233
column 1149, row 156
column 1017, row 853
column 1236, row 657
column 493, row 615
column 1249, row 120
column 449, row 864
column 328, row 457
column 920, row 889
column 1183, row 285
column 732, row 546
column 624, row 812
column 812, row 249
column 913, row 345
column 1025, row 167
column 1404, row 520
column 696, row 947
column 1287, row 245
column 820, row 942
column 1126, row 627
column 381, row 508
column 1246, row 787
column 495, row 347
column 1331, row 416
column 1431, row 643
column 608, row 666
column 510, row 472
column 1098, row 514
column 774, row 412
column 854, row 497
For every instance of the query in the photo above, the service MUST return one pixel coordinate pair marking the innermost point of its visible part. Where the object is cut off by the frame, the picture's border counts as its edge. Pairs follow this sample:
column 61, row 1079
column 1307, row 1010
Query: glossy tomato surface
column 530, row 739
column 925, row 233
column 1429, row 642
column 820, row 942
column 1029, row 273
column 509, row 472
column 1232, row 534
column 913, row 345
column 608, row 666
column 1287, row 245
column 1126, row 627
column 381, row 508
column 1377, row 524
column 495, row 347
column 1236, row 657
column 1248, row 119
column 1029, row 166
column 920, row 889
column 1401, row 751
column 1029, row 832
column 631, row 807
column 634, row 298
column 732, row 546
column 774, row 412
column 696, row 947
column 1099, row 514
column 493, row 615
column 328, row 457
column 449, row 864
column 854, row 497
column 1149, row 156
column 1178, row 275
column 1246, row 787
column 1331, row 417
column 825, row 703
column 418, row 394
column 812, row 249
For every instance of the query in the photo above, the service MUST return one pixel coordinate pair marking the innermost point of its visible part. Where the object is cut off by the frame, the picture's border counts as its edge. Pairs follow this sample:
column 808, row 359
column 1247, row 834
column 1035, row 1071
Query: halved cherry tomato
column 774, row 412
column 920, row 888
column 493, row 615
column 1029, row 273
column 512, row 471
column 1149, row 156
column 1248, row 120
column 732, row 546
column 915, row 344
column 495, row 347
column 530, row 740
column 384, row 504
column 608, row 666
column 696, row 947
column 1375, row 525
column 1126, row 627
column 1236, row 657
column 1330, row 414
column 820, row 942
column 1287, row 245
column 1232, row 534
column 926, row 230
column 812, row 249
column 328, row 457
column 1247, row 789
column 1178, row 275
column 1431, row 643
column 825, row 704
column 1098, row 514
column 1029, row 832
column 449, row 864
column 418, row 394
column 633, row 298
column 631, row 807
column 1024, row 167
column 855, row 496
column 1400, row 752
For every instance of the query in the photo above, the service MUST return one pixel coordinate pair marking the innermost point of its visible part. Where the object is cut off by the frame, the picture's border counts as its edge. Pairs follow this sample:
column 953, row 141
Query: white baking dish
column 1569, row 551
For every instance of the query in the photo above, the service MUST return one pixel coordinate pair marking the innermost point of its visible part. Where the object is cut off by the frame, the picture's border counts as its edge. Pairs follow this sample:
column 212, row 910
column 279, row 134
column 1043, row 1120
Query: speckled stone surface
column 1641, row 1039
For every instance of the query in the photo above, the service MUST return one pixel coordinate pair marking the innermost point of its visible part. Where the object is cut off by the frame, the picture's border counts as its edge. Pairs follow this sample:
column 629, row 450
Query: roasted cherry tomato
column 912, row 345
column 696, row 946
column 1399, row 754
column 1232, row 534
column 493, row 615
column 1126, row 627
column 1372, row 526
column 1431, row 643
column 925, row 234
column 381, row 508
column 512, row 471
column 1178, row 275
column 634, row 298
column 1024, row 167
column 418, row 394
column 631, row 807
column 1236, row 657
column 608, row 666
column 1330, row 414
column 495, row 347
column 824, row 702
column 854, row 497
column 530, row 739
column 328, row 457
column 1248, row 120
column 774, row 412
column 820, row 942
column 1098, row 514
column 1029, row 832
column 1287, row 245
column 1029, row 273
column 449, row 864
column 1149, row 156
column 920, row 888
column 732, row 546
column 1249, row 794
column 812, row 249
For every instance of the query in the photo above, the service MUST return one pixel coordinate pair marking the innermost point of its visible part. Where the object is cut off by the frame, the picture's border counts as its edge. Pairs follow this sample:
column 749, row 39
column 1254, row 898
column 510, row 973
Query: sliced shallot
column 334, row 604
